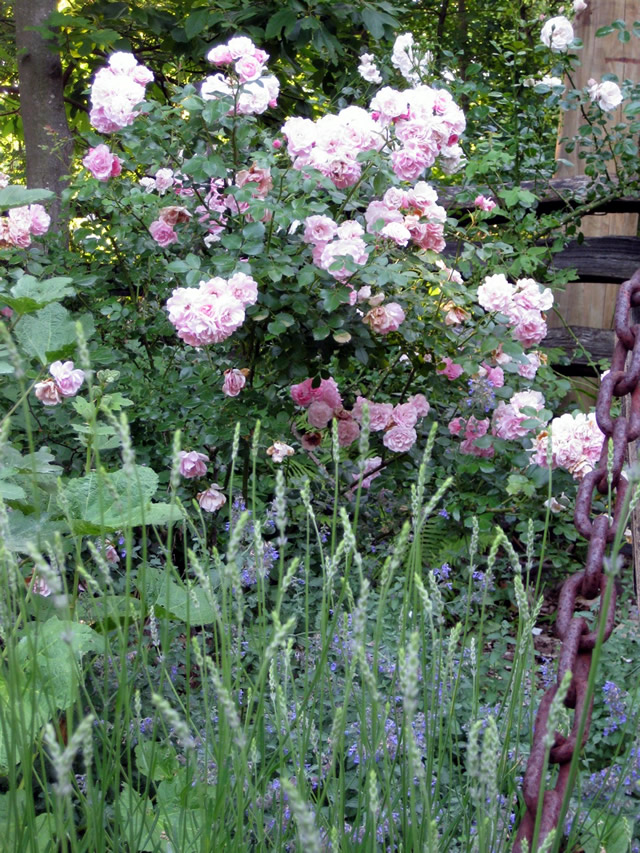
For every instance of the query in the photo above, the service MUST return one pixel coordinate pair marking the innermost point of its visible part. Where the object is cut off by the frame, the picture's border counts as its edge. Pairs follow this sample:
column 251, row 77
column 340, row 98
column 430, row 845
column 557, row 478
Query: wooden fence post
column 592, row 303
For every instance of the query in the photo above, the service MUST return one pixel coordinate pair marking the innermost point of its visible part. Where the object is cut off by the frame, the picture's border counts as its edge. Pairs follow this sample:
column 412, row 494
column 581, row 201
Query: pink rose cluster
column 212, row 213
column 22, row 223
column 509, row 419
column 576, row 444
column 325, row 403
column 398, row 422
column 64, row 381
column 116, row 91
column 471, row 429
column 425, row 122
column 163, row 180
column 522, row 304
column 332, row 143
column 252, row 91
column 162, row 229
column 409, row 215
column 332, row 242
column 210, row 313
column 102, row 163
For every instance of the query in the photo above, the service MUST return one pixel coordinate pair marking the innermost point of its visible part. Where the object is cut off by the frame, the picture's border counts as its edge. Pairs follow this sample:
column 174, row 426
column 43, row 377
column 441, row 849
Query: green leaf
column 35, row 528
column 604, row 31
column 157, row 761
column 111, row 501
column 190, row 606
column 196, row 22
column 102, row 501
column 11, row 492
column 374, row 22
column 29, row 294
column 18, row 196
column 278, row 21
column 253, row 231
column 46, row 334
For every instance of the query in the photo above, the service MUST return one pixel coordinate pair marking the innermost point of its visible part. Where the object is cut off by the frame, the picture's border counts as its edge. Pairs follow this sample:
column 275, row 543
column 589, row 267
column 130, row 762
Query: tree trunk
column 47, row 138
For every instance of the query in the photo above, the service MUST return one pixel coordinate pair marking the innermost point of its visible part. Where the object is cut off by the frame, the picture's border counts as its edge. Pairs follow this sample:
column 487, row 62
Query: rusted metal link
column 583, row 505
column 590, row 586
column 562, row 751
column 619, row 445
column 578, row 641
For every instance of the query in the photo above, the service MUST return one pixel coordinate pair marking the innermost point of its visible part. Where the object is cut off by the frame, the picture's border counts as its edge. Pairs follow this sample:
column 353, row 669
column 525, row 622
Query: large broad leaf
column 49, row 655
column 186, row 605
column 29, row 294
column 19, row 196
column 36, row 528
column 102, row 501
column 47, row 334
column 44, row 681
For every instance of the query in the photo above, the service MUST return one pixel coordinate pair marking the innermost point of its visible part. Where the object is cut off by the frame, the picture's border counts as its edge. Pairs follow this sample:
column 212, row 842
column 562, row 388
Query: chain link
column 578, row 641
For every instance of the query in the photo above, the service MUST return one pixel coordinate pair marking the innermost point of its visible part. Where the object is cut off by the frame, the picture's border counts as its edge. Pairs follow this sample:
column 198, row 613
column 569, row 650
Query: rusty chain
column 578, row 641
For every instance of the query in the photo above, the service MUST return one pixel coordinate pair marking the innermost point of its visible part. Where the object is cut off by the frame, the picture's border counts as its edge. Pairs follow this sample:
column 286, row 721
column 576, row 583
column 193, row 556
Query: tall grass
column 317, row 698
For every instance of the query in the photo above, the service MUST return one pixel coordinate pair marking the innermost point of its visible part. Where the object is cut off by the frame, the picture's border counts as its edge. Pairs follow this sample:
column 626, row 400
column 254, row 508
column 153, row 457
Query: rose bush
column 242, row 265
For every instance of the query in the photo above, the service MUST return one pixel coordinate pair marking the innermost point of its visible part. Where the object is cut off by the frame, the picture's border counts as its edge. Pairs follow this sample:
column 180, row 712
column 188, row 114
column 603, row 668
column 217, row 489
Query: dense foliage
column 268, row 403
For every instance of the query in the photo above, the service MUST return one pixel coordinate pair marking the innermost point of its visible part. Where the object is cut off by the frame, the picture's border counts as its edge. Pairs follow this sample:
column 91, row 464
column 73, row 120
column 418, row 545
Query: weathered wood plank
column 598, row 343
column 606, row 259
column 556, row 194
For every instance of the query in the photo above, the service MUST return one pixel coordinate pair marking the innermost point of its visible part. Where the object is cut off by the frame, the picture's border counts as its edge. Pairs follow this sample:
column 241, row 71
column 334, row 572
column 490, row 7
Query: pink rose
column 456, row 426
column 220, row 55
column 494, row 375
column 328, row 392
column 302, row 394
column 67, row 379
column 529, row 369
column 102, row 163
column 530, row 328
column 400, row 438
column 405, row 414
column 348, row 431
column 248, row 68
column 528, row 295
column 319, row 414
column 484, row 203
column 450, row 369
column 496, row 294
column 212, row 499
column 162, row 233
column 244, row 288
column 385, row 318
column 164, row 180
column 410, row 162
column 380, row 414
column 234, row 382
column 40, row 220
column 241, row 46
column 420, row 404
column 47, row 392
column 397, row 232
column 371, row 471
column 192, row 464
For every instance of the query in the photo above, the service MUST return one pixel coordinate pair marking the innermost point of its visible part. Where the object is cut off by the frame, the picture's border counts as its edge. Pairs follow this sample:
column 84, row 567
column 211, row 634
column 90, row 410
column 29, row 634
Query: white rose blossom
column 557, row 34
column 606, row 94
